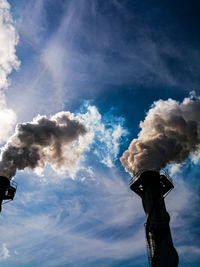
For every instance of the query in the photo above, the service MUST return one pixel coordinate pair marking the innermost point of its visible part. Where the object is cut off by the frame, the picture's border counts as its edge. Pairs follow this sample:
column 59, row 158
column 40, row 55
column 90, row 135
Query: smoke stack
column 152, row 187
column 7, row 190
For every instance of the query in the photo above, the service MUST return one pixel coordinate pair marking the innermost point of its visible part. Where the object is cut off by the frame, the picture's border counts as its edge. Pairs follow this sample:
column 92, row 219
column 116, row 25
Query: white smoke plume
column 54, row 140
column 169, row 134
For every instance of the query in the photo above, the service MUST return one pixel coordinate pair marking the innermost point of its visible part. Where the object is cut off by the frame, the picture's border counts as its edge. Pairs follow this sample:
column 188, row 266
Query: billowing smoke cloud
column 53, row 140
column 169, row 134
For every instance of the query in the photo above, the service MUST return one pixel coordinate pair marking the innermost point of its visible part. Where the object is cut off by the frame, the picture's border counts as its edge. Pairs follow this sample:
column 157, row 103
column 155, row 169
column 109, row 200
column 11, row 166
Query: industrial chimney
column 152, row 186
column 7, row 190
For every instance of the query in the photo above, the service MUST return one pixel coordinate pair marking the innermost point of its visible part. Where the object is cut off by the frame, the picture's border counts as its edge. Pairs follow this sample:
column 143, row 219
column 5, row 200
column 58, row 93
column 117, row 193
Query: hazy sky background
column 106, row 62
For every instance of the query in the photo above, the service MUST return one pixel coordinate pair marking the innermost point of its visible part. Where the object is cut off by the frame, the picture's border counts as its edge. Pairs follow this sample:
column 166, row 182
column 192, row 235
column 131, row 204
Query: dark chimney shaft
column 152, row 186
column 7, row 190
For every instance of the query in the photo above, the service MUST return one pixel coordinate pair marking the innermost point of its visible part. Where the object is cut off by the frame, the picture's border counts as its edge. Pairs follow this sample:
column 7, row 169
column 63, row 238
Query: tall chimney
column 152, row 187
column 7, row 190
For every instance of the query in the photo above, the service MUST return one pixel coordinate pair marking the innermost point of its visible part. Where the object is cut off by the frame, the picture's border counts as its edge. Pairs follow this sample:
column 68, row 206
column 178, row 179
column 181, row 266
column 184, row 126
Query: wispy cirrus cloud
column 99, row 219
column 74, row 62
column 116, row 55
column 76, row 225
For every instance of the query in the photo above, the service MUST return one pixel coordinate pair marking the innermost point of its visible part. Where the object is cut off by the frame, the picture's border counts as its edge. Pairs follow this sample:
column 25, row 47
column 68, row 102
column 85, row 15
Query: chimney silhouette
column 152, row 187
column 7, row 190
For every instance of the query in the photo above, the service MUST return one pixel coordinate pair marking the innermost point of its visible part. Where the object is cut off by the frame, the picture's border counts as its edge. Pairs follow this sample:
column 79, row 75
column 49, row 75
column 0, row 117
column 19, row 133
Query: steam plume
column 43, row 140
column 169, row 133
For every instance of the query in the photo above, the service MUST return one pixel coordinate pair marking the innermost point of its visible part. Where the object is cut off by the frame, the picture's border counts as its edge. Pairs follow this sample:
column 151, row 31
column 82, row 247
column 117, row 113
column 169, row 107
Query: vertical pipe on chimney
column 4, row 184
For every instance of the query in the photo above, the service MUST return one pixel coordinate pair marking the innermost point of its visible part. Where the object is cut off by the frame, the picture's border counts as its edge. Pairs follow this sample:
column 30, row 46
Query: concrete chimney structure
column 152, row 187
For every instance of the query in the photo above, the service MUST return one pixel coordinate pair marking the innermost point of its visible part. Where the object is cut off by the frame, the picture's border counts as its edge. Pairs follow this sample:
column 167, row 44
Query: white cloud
column 103, row 140
column 104, row 136
column 8, row 61
column 8, row 41
column 7, row 120
column 174, row 169
column 4, row 253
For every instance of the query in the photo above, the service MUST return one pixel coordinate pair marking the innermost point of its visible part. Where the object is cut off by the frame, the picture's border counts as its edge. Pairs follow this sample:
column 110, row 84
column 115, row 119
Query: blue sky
column 106, row 62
